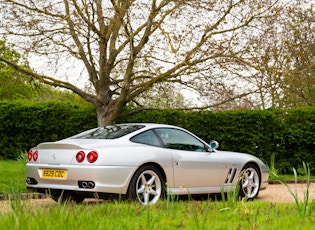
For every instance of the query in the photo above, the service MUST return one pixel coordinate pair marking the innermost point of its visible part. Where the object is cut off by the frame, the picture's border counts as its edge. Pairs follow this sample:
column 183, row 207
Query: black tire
column 147, row 185
column 250, row 180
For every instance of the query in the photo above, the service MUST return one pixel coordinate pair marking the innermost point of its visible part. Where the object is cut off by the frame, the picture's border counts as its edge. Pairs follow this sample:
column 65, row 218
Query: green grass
column 163, row 215
column 12, row 176
column 166, row 214
column 290, row 178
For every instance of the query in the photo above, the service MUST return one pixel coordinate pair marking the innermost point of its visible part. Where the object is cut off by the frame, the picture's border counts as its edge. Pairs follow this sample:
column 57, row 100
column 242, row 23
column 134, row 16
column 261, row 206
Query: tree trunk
column 104, row 115
column 107, row 114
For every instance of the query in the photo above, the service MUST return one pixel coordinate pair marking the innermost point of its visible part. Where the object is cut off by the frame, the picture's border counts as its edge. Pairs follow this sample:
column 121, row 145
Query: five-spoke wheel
column 147, row 185
column 249, row 181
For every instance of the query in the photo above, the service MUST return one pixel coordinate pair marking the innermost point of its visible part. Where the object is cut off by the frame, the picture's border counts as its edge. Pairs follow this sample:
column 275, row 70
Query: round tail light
column 35, row 155
column 92, row 156
column 80, row 156
column 30, row 155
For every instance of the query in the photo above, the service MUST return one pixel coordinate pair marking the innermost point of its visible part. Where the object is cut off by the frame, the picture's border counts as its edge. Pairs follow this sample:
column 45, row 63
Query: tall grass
column 131, row 215
column 231, row 198
column 172, row 202
column 301, row 205
column 171, row 213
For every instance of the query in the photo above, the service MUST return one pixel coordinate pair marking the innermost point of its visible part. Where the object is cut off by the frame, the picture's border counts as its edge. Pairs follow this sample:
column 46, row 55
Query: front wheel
column 146, row 186
column 249, row 181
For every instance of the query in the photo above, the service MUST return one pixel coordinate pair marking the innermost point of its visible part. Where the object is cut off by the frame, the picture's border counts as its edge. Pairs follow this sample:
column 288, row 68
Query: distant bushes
column 288, row 134
column 25, row 124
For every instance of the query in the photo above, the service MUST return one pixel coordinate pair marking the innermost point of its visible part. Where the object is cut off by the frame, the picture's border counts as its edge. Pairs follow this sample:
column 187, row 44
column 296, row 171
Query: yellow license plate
column 54, row 173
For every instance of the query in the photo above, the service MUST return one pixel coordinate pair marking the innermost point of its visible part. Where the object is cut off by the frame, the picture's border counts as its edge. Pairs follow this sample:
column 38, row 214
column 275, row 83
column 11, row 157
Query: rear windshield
column 109, row 132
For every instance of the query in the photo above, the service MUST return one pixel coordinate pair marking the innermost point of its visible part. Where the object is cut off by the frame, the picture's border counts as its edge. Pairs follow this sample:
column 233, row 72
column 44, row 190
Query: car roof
column 149, row 125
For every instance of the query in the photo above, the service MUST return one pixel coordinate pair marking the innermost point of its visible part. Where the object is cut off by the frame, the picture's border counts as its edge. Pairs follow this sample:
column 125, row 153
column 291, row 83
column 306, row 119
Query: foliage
column 301, row 206
column 288, row 134
column 285, row 135
column 191, row 214
column 284, row 57
column 17, row 86
column 298, row 64
column 124, row 49
column 173, row 213
column 26, row 124
column 13, row 84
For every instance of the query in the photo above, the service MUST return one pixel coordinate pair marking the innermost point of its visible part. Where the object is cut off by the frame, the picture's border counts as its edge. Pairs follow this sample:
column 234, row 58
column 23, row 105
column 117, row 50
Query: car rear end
column 63, row 166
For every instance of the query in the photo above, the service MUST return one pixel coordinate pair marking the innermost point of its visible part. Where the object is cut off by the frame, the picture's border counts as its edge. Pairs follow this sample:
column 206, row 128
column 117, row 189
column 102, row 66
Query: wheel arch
column 155, row 165
column 257, row 166
column 130, row 191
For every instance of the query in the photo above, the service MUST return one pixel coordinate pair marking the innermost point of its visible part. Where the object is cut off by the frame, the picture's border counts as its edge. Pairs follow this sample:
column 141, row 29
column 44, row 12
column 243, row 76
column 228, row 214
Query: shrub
column 25, row 124
column 288, row 135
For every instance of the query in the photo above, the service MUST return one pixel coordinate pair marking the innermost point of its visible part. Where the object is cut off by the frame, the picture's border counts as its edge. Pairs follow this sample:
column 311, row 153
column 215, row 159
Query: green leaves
column 25, row 124
column 287, row 134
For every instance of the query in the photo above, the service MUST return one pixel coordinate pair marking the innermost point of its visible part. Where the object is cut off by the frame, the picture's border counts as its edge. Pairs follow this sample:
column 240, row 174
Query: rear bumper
column 96, row 195
column 106, row 179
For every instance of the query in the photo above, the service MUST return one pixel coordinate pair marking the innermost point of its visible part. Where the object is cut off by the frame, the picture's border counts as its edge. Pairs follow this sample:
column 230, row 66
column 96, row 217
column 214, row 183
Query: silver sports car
column 142, row 162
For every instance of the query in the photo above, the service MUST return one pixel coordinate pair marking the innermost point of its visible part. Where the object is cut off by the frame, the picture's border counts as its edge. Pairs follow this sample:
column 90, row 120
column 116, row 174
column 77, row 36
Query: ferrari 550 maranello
column 142, row 162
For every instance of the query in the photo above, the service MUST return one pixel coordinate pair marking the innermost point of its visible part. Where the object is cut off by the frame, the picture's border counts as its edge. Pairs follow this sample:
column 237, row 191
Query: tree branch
column 49, row 80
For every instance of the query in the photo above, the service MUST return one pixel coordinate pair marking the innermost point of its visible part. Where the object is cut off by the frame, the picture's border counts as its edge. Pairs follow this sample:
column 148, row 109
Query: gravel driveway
column 275, row 193
column 278, row 193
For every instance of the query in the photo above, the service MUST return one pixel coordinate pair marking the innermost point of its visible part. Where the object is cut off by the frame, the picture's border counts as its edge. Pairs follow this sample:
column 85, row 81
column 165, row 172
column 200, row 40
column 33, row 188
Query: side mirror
column 214, row 145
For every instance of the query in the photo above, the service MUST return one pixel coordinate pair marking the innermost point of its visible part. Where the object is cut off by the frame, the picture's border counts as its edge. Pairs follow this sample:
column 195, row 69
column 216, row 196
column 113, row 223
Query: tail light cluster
column 32, row 156
column 91, row 156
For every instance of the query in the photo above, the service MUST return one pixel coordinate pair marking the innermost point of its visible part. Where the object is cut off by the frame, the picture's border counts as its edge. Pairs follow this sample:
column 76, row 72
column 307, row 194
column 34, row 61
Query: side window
column 180, row 140
column 148, row 138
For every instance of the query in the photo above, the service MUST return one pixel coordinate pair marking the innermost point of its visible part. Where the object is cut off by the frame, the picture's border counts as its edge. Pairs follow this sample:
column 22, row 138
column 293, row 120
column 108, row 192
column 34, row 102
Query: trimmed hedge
column 288, row 134
column 24, row 125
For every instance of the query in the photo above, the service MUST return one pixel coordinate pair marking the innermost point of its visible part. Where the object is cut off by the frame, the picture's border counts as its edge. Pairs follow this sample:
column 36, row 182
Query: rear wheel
column 146, row 186
column 249, row 181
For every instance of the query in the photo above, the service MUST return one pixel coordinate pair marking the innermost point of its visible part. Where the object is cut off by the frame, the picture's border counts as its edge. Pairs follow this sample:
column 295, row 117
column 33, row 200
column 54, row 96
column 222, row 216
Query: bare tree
column 129, row 47
column 284, row 58
column 299, row 70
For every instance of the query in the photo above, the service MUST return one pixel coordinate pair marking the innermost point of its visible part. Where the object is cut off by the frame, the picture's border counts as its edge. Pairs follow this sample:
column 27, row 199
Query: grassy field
column 12, row 176
column 166, row 214
column 163, row 215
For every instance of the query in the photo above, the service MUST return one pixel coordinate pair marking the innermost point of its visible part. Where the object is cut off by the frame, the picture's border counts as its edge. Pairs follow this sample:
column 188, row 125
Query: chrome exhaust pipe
column 91, row 184
column 84, row 184
column 31, row 181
